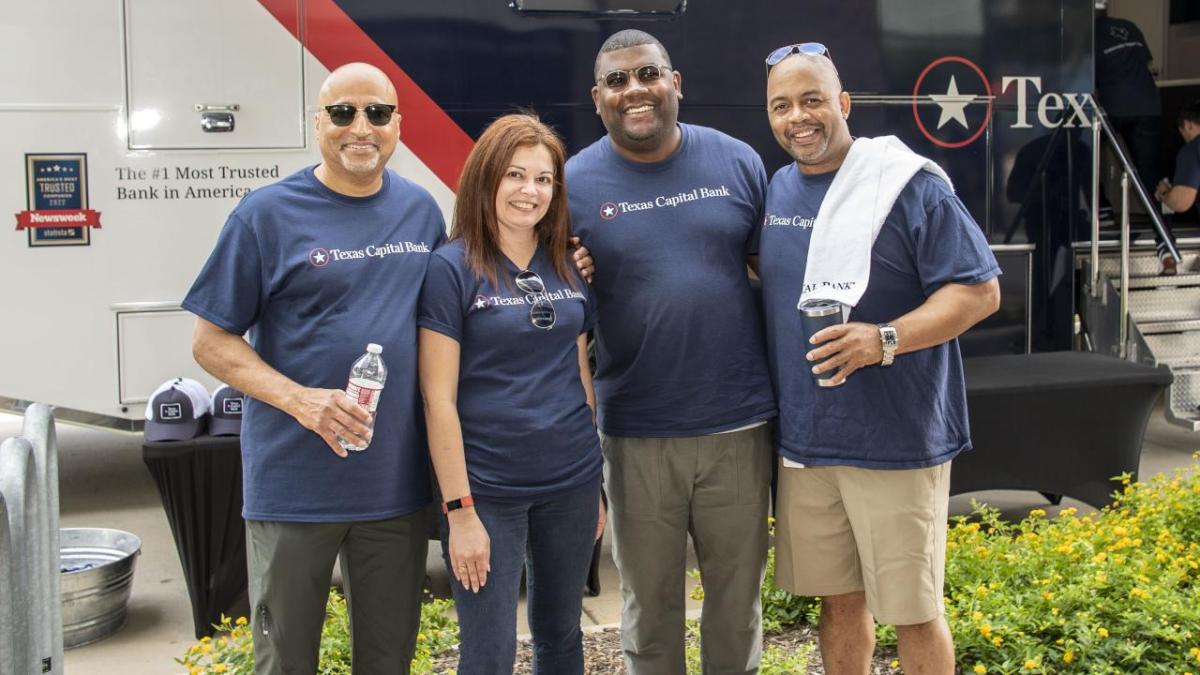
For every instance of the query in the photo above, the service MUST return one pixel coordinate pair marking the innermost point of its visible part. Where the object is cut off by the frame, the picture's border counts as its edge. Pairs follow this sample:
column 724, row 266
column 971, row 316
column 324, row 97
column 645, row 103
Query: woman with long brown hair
column 509, row 403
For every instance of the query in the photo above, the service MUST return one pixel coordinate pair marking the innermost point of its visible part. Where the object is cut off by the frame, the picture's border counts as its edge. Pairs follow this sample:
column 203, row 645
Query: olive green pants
column 715, row 488
column 383, row 568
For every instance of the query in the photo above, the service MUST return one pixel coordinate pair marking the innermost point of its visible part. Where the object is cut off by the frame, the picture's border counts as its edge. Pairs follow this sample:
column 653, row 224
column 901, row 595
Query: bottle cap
column 374, row 348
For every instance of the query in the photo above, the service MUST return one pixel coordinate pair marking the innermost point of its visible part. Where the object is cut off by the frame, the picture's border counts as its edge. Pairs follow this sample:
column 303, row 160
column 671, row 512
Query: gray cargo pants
column 383, row 567
column 715, row 488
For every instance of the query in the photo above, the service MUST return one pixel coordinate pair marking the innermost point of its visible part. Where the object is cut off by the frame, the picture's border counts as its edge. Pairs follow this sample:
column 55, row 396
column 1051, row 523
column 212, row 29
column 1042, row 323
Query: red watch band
column 455, row 504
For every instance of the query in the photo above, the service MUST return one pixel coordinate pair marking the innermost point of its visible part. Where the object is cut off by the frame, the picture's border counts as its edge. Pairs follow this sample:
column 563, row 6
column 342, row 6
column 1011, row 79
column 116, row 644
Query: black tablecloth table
column 201, row 486
column 1060, row 423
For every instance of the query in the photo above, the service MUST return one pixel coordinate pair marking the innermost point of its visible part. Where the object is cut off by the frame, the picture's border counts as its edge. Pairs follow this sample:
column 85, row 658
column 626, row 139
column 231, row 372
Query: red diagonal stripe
column 335, row 40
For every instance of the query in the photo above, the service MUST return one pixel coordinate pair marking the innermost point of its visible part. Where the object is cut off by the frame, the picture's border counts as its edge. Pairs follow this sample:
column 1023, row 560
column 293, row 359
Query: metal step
column 1183, row 398
column 1146, row 264
column 1165, row 312
column 1175, row 349
column 1154, row 328
column 1164, row 304
column 1156, row 281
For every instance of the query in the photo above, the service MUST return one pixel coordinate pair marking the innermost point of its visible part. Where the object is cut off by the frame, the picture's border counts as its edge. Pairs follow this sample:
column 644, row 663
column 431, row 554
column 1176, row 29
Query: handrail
column 1139, row 189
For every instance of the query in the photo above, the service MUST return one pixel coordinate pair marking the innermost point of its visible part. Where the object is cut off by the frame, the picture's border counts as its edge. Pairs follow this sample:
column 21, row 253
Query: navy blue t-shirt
column 912, row 414
column 679, row 344
column 1187, row 167
column 526, row 426
column 314, row 276
column 1124, row 84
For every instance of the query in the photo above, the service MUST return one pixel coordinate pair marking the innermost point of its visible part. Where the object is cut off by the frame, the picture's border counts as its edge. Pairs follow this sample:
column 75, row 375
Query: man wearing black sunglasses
column 672, row 211
column 315, row 267
column 864, row 466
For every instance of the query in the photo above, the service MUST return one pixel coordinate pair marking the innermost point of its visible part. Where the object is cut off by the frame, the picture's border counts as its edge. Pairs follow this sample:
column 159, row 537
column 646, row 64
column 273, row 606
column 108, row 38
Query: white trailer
column 116, row 160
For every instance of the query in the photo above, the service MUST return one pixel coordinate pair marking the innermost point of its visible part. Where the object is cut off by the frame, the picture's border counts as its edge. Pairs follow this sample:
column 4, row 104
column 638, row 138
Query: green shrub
column 233, row 650
column 1114, row 592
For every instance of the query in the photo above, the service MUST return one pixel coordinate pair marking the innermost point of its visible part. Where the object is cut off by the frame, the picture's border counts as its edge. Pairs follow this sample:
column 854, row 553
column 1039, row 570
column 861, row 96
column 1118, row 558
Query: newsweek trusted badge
column 57, row 212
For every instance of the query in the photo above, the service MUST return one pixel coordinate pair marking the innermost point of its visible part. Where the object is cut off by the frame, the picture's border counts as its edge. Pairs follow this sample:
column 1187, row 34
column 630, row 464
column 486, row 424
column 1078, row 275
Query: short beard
column 649, row 136
column 813, row 156
column 360, row 166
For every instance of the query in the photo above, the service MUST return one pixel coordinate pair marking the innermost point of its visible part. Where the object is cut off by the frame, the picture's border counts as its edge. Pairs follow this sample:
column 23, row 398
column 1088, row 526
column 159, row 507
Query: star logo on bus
column 958, row 91
column 318, row 257
column 608, row 210
column 953, row 104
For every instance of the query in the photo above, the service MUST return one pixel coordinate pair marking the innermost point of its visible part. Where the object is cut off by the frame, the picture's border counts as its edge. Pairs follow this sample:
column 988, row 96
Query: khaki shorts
column 843, row 529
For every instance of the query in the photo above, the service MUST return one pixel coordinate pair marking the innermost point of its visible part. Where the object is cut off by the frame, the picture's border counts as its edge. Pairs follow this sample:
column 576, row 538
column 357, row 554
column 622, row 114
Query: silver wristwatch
column 889, row 340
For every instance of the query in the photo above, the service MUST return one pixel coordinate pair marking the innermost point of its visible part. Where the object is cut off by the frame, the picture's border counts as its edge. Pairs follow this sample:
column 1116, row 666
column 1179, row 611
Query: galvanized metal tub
column 97, row 576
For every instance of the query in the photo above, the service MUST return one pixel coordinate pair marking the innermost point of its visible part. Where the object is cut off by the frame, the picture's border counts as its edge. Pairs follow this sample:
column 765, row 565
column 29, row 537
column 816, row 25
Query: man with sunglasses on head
column 865, row 457
column 289, row 267
column 672, row 213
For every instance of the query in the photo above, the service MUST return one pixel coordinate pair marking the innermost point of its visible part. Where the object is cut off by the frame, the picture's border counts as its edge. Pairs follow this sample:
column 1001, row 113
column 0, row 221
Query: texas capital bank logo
column 952, row 103
column 318, row 257
column 609, row 210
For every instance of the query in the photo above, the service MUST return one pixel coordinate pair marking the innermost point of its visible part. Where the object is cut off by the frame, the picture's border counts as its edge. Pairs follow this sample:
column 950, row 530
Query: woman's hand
column 470, row 549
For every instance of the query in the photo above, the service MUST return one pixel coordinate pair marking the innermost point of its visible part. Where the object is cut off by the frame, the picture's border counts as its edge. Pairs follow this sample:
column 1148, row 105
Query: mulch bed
column 602, row 653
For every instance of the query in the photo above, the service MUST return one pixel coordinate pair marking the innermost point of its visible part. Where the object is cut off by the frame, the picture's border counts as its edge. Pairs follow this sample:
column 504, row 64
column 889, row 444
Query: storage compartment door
column 227, row 59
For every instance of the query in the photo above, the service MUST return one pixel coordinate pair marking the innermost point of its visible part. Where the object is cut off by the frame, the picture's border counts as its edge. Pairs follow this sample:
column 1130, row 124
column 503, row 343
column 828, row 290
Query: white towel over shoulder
column 852, row 214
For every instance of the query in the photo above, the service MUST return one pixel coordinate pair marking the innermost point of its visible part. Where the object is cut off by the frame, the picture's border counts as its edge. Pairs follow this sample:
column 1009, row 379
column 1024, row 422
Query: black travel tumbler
column 814, row 315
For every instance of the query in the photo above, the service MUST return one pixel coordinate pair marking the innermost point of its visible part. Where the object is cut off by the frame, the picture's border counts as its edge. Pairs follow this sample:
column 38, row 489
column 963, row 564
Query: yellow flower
column 895, row 663
column 195, row 670
column 1036, row 513
column 1102, row 631
column 242, row 621
column 420, row 637
column 976, row 615
column 1138, row 593
column 1030, row 664
column 997, row 640
column 986, row 629
column 1068, row 656
column 206, row 648
column 1047, row 595
column 219, row 668
column 979, row 669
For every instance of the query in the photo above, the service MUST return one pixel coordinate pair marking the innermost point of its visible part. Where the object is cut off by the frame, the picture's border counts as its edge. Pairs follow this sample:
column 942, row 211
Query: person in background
column 509, row 403
column 1125, row 88
column 1181, row 196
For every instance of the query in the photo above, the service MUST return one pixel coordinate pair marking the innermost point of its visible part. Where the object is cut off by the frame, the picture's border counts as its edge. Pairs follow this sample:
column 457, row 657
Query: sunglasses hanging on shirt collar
column 541, row 312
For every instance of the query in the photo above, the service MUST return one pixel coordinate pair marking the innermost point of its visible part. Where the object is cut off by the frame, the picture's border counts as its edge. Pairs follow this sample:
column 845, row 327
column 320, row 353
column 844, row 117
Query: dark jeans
column 551, row 537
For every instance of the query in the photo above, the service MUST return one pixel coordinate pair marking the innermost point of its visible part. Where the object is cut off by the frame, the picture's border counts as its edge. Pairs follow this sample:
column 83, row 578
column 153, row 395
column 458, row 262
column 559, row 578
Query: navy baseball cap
column 227, row 405
column 177, row 411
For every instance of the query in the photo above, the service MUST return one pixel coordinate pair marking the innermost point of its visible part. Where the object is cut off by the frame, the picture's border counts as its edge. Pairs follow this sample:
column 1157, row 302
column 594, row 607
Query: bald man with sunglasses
column 288, row 269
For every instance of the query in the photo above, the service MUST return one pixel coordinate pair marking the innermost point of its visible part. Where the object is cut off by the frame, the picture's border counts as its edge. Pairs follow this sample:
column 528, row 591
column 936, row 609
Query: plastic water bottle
column 367, row 376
